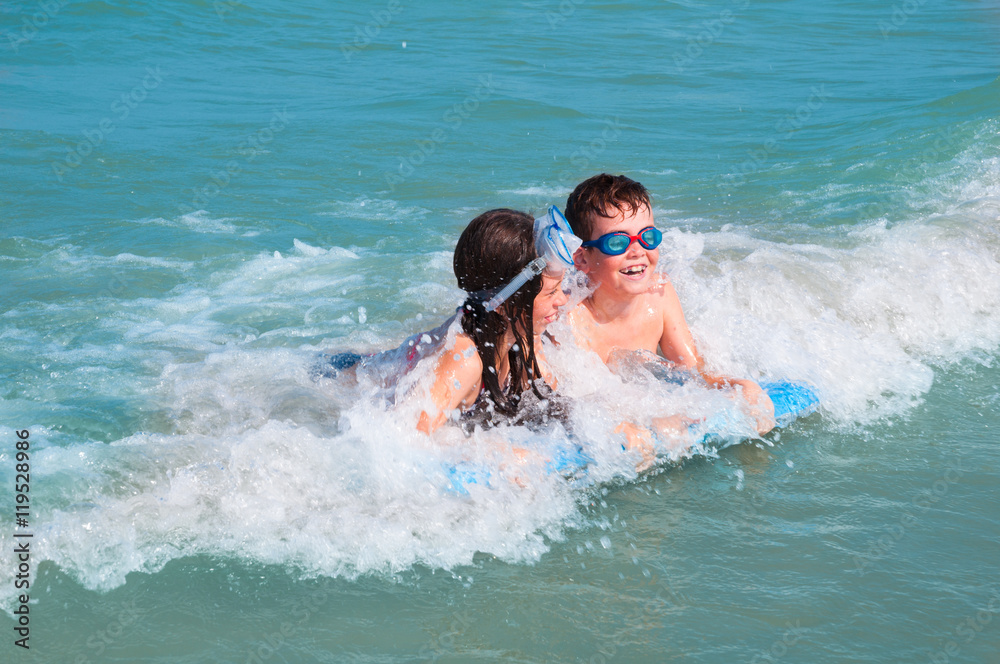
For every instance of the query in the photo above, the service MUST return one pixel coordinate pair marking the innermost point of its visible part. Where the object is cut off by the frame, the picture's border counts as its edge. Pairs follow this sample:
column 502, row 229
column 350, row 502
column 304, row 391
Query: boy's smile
column 628, row 273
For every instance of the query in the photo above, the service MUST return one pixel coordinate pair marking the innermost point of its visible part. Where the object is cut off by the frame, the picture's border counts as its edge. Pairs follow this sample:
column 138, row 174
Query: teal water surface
column 197, row 198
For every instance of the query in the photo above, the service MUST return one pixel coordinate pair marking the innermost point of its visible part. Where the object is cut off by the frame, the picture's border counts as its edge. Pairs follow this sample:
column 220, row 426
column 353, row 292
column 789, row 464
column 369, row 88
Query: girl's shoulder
column 462, row 355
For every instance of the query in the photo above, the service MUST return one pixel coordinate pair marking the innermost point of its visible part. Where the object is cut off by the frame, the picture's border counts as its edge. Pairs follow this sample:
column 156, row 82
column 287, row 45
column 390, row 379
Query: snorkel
column 554, row 244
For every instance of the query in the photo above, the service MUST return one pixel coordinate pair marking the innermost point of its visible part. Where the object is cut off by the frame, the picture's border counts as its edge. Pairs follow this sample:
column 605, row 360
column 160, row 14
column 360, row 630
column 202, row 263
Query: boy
column 632, row 308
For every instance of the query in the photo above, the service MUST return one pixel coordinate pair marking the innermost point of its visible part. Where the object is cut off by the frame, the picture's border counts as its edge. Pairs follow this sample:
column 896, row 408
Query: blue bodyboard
column 568, row 460
column 791, row 400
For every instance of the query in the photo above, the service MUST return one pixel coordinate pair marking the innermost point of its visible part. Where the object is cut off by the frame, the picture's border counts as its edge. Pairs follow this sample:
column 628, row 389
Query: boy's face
column 627, row 274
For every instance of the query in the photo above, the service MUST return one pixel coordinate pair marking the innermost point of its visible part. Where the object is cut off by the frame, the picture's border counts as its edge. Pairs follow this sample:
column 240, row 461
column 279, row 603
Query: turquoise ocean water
column 196, row 198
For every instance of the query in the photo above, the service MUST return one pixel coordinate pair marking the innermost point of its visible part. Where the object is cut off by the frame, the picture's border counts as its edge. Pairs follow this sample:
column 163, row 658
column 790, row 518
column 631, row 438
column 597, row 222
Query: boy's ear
column 580, row 260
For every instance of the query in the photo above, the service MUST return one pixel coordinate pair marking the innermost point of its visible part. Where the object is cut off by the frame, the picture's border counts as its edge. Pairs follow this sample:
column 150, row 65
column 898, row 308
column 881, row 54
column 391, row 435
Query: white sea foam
column 665, row 171
column 199, row 221
column 254, row 459
column 261, row 468
column 373, row 209
column 557, row 193
column 867, row 323
column 67, row 258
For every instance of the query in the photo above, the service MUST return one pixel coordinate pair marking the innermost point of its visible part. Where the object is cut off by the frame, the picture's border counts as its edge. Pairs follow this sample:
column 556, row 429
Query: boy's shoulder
column 662, row 294
column 659, row 298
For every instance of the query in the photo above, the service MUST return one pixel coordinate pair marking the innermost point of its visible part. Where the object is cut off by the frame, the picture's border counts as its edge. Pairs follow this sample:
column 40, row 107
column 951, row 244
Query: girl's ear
column 580, row 260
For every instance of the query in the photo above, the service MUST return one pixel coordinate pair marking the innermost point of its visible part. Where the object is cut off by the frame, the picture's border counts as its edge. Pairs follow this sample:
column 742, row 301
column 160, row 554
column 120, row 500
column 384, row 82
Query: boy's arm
column 676, row 342
column 677, row 345
column 761, row 406
column 457, row 378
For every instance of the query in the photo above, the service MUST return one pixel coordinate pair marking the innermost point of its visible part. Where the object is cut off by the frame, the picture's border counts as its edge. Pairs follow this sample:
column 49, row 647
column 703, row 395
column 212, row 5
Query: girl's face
column 547, row 302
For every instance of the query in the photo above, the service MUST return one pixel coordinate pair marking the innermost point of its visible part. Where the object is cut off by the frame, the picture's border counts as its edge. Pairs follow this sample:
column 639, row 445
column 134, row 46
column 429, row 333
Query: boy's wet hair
column 596, row 196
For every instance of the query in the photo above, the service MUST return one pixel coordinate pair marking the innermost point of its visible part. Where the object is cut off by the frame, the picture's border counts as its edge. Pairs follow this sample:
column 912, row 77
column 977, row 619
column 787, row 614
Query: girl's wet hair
column 492, row 250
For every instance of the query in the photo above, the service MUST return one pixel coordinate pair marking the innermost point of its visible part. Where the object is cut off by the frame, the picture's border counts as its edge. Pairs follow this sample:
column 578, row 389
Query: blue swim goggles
column 555, row 245
column 617, row 243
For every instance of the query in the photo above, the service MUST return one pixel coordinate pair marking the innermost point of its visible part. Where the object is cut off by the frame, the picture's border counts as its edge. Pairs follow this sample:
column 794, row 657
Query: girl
column 488, row 354
column 495, row 356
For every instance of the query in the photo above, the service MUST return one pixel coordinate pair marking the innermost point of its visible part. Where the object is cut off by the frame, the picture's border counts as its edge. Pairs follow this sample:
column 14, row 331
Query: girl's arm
column 457, row 381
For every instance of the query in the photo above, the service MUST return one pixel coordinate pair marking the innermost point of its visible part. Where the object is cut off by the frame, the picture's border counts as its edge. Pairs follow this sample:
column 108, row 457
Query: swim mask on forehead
column 554, row 244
